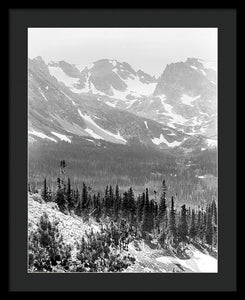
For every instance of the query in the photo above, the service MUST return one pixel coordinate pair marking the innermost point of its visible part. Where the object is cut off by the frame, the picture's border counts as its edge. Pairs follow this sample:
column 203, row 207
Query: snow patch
column 113, row 62
column 69, row 98
column 201, row 176
column 176, row 118
column 203, row 72
column 81, row 67
column 188, row 99
column 146, row 125
column 93, row 134
column 60, row 75
column 196, row 122
column 42, row 94
column 193, row 67
column 135, row 85
column 41, row 135
column 198, row 263
column 209, row 64
column 161, row 139
column 111, row 104
column 211, row 143
column 62, row 137
column 131, row 103
column 91, row 121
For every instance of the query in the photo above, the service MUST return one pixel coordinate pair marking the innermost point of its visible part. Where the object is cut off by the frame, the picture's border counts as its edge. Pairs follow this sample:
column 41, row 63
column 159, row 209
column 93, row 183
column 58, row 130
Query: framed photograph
column 122, row 150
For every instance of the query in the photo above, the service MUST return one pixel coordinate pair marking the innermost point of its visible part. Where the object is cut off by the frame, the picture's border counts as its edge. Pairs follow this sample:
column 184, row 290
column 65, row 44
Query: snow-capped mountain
column 104, row 77
column 98, row 103
column 184, row 97
column 188, row 93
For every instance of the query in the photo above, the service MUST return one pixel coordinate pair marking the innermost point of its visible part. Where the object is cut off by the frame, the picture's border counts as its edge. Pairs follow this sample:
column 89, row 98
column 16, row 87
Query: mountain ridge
column 89, row 114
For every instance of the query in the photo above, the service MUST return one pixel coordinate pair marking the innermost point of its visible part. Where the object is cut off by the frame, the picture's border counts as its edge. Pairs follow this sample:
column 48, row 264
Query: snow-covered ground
column 199, row 262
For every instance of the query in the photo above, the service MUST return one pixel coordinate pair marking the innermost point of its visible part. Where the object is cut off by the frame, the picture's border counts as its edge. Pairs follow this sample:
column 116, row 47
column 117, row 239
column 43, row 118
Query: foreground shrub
column 47, row 251
column 104, row 251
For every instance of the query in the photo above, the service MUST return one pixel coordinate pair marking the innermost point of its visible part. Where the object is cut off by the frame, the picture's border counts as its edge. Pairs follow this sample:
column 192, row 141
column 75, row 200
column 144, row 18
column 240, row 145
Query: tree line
column 151, row 219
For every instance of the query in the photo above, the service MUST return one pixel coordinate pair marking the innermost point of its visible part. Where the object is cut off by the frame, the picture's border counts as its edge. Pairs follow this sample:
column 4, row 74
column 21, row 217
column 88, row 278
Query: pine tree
column 214, row 223
column 60, row 200
column 69, row 196
column 84, row 200
column 117, row 203
column 148, row 222
column 131, row 206
column 125, row 205
column 61, row 190
column 98, row 211
column 49, row 195
column 140, row 207
column 193, row 230
column 183, row 226
column 202, row 228
column 209, row 227
column 45, row 191
column 76, row 200
column 110, row 201
column 162, row 212
column 106, row 202
column 172, row 222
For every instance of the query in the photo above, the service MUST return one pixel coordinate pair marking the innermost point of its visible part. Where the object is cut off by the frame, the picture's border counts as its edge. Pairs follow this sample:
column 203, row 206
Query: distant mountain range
column 109, row 101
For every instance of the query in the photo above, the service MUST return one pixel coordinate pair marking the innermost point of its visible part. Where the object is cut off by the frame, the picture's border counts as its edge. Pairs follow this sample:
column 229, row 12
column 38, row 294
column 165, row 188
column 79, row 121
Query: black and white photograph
column 122, row 150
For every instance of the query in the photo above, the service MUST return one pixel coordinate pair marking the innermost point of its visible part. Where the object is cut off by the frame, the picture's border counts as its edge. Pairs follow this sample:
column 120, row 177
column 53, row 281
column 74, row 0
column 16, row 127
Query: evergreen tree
column 140, row 207
column 214, row 223
column 193, row 230
column 84, row 200
column 77, row 201
column 125, row 205
column 202, row 228
column 117, row 203
column 131, row 206
column 172, row 222
column 148, row 222
column 110, row 201
column 60, row 193
column 107, row 201
column 49, row 195
column 61, row 200
column 209, row 227
column 98, row 211
column 183, row 226
column 69, row 196
column 162, row 212
column 45, row 191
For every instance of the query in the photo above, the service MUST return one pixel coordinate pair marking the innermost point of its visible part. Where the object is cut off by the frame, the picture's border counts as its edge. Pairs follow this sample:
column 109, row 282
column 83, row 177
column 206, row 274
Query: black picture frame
column 225, row 20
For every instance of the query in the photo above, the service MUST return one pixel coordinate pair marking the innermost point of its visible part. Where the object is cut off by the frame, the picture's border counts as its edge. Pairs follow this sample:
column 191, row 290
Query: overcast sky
column 149, row 49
